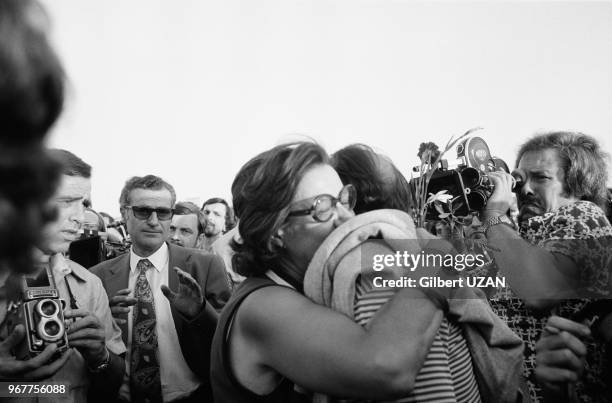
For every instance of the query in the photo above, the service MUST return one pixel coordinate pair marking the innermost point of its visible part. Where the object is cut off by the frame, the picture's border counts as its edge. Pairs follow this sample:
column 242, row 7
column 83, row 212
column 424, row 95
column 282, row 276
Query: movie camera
column 35, row 304
column 465, row 177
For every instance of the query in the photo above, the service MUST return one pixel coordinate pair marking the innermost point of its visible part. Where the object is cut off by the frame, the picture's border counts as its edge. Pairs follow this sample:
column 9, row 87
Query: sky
column 190, row 90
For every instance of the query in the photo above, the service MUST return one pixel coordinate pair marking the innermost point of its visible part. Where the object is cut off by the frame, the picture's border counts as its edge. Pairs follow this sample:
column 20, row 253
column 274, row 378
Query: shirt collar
column 159, row 258
column 60, row 266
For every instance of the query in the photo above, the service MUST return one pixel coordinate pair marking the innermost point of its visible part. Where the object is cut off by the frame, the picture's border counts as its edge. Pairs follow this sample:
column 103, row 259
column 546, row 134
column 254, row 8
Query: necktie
column 145, row 382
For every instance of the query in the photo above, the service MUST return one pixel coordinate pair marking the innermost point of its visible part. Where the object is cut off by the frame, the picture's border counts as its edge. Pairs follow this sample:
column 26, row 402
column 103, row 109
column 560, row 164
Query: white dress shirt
column 177, row 379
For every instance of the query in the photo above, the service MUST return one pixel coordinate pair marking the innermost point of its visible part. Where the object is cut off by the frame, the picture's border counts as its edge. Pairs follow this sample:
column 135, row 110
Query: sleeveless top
column 226, row 388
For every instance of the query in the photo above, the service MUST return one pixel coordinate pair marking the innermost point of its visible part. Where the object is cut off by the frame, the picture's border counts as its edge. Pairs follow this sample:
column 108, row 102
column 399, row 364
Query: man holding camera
column 165, row 298
column 559, row 259
column 31, row 99
column 96, row 367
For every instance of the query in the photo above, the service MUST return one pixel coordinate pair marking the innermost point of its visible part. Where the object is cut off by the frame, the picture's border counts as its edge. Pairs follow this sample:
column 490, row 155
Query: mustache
column 528, row 199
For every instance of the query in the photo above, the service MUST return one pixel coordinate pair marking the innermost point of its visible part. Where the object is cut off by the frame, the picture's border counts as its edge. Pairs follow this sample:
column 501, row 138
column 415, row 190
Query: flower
column 428, row 152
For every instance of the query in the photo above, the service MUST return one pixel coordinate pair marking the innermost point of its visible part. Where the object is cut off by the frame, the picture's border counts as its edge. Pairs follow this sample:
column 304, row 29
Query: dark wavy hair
column 31, row 99
column 268, row 183
column 582, row 159
column 378, row 182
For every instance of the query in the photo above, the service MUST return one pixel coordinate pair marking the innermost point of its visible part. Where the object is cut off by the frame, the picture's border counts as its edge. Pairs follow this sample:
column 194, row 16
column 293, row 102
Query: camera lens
column 47, row 308
column 52, row 328
column 470, row 177
column 477, row 200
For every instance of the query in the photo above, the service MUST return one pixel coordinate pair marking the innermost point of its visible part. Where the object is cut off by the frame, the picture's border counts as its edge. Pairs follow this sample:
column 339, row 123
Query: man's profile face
column 68, row 199
column 543, row 189
column 150, row 233
column 215, row 219
column 184, row 230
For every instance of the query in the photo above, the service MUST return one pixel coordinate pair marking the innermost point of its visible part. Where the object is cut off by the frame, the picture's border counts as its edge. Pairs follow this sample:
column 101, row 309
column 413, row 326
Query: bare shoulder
column 270, row 309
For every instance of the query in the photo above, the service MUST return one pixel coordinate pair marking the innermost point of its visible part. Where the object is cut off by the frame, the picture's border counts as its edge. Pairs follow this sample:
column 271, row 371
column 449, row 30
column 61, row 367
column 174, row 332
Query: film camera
column 36, row 305
column 89, row 249
column 465, row 177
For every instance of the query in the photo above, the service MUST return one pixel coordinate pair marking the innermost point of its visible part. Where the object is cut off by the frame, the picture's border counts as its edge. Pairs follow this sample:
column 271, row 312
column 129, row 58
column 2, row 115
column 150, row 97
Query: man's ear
column 124, row 213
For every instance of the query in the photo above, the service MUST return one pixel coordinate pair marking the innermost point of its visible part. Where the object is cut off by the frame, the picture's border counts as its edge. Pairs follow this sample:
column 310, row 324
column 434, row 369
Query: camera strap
column 73, row 304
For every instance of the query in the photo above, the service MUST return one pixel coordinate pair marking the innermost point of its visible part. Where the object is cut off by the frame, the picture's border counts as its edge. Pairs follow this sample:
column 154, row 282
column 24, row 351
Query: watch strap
column 496, row 220
column 102, row 366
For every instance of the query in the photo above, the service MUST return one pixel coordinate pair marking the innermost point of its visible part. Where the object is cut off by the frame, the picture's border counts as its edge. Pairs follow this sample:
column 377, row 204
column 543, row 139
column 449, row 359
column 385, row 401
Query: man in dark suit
column 165, row 299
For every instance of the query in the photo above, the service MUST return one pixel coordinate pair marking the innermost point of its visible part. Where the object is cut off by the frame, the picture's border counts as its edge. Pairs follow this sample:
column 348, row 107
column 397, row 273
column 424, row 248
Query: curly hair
column 268, row 183
column 583, row 161
column 378, row 182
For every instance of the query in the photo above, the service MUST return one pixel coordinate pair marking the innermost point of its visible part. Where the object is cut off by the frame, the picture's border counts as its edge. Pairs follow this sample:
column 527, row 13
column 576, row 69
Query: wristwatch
column 499, row 219
column 103, row 366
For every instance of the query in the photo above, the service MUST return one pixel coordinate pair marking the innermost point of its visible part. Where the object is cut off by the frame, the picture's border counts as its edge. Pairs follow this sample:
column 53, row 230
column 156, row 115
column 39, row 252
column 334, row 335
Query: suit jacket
column 195, row 335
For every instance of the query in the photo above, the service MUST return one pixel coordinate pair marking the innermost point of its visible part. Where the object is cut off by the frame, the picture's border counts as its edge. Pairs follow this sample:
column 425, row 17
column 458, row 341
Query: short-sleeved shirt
column 91, row 296
column 581, row 232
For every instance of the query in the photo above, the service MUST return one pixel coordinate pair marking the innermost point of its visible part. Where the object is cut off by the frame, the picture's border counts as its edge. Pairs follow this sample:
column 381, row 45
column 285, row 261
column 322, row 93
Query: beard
column 211, row 230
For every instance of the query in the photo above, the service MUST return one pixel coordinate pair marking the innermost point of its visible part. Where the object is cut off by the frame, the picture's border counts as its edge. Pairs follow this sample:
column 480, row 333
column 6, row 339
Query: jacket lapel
column 118, row 280
column 175, row 259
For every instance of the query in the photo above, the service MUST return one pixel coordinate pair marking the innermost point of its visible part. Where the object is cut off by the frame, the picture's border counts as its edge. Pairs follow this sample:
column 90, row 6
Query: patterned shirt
column 581, row 232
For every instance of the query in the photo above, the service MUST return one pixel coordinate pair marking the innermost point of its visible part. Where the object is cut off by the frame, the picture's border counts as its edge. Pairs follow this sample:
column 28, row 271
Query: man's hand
column 33, row 369
column 120, row 304
column 189, row 299
column 560, row 354
column 87, row 335
column 502, row 198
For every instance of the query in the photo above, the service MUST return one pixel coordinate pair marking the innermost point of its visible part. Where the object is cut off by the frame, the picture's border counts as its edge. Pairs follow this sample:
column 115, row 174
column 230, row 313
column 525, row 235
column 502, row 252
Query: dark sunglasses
column 323, row 206
column 143, row 213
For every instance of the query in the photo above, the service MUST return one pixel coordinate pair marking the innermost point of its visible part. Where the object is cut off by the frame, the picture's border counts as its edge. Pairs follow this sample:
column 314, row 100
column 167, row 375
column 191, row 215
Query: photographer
column 31, row 99
column 559, row 259
column 96, row 366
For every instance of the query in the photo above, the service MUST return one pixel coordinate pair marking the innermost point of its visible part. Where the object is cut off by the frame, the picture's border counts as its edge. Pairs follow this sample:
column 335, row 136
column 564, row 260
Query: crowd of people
column 268, row 298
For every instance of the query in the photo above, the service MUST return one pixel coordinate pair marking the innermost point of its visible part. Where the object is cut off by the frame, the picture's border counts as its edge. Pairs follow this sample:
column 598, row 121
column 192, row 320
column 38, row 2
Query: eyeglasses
column 322, row 208
column 143, row 213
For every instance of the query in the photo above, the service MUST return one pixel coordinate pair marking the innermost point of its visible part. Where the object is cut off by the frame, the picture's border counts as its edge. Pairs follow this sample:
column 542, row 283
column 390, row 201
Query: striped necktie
column 145, row 381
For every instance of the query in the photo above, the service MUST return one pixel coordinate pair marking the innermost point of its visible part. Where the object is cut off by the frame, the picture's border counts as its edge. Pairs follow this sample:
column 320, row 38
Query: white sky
column 192, row 89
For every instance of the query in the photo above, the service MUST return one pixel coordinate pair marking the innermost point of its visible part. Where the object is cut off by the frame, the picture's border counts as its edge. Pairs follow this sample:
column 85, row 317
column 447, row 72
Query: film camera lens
column 477, row 198
column 52, row 328
column 47, row 308
column 472, row 177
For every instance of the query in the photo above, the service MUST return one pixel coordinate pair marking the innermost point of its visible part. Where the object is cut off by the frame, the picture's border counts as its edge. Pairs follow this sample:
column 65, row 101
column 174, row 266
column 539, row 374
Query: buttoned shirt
column 90, row 296
column 177, row 379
